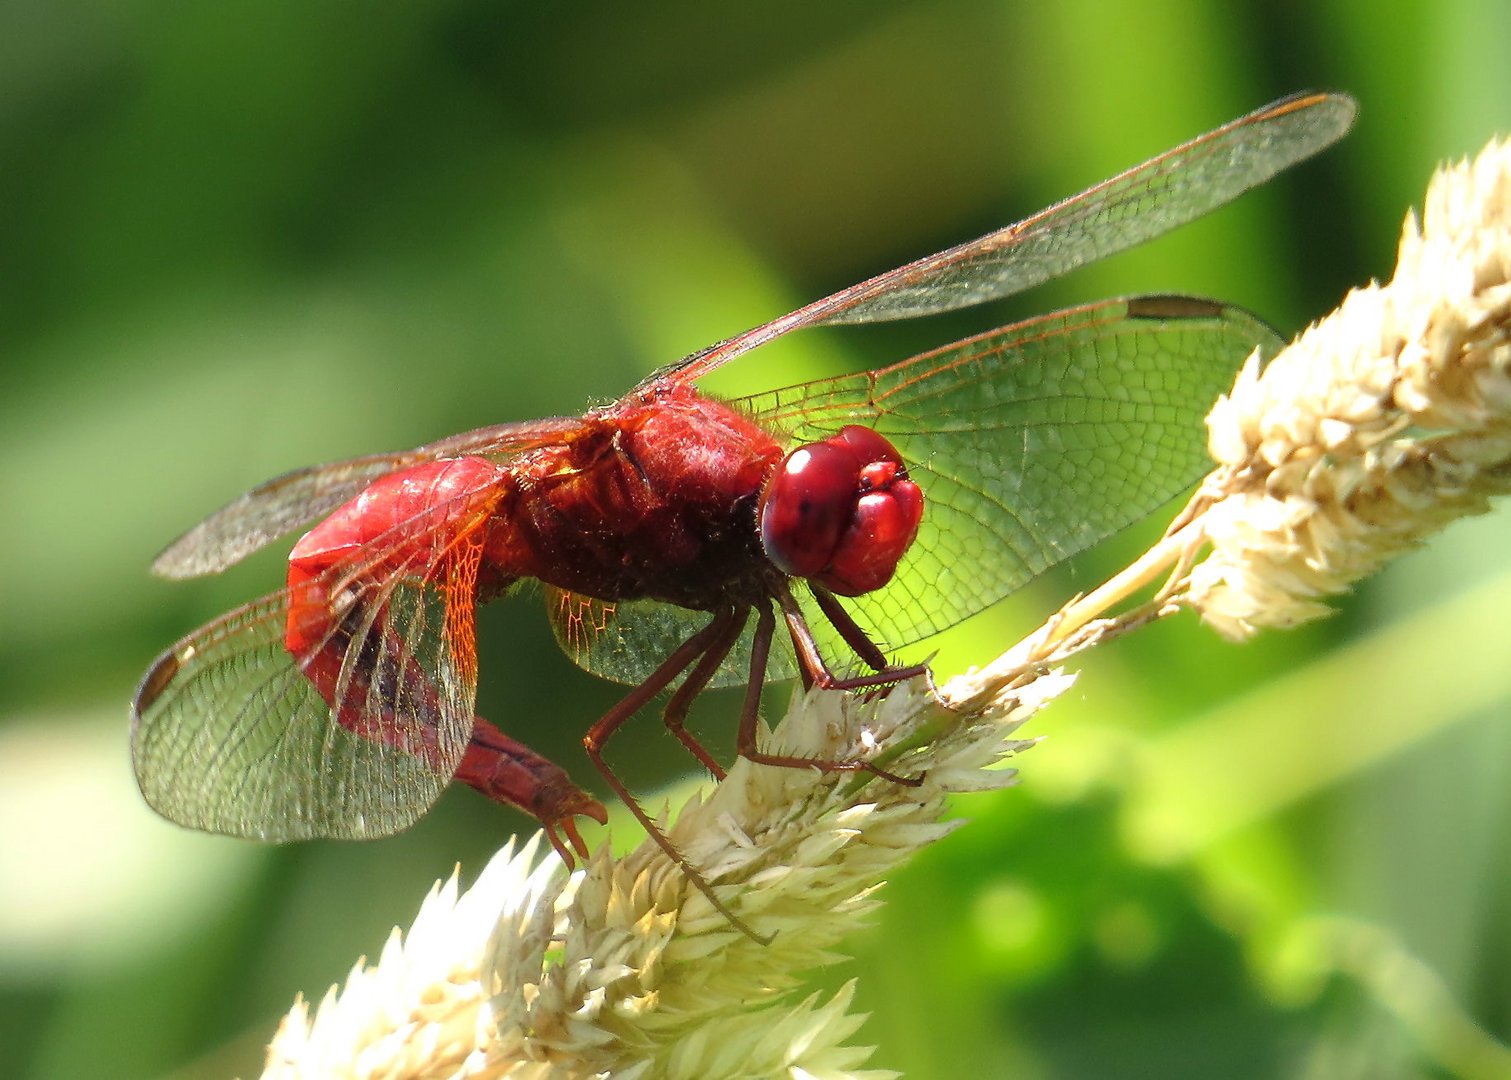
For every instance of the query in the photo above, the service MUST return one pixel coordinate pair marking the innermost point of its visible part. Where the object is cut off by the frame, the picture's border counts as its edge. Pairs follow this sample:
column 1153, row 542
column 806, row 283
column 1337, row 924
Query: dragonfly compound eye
column 841, row 512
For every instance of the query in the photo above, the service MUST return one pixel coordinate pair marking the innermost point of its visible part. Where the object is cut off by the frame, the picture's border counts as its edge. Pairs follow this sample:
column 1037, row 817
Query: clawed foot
column 560, row 825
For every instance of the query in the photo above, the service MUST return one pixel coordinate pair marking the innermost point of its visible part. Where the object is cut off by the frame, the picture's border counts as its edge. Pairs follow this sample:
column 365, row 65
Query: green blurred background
column 240, row 237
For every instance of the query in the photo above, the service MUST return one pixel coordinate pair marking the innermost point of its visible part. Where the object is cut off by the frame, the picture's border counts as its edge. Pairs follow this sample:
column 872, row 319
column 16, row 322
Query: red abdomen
column 404, row 520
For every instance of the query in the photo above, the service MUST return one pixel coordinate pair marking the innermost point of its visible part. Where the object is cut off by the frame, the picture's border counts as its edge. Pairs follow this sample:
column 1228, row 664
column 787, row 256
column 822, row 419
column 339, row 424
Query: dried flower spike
column 625, row 969
column 1375, row 428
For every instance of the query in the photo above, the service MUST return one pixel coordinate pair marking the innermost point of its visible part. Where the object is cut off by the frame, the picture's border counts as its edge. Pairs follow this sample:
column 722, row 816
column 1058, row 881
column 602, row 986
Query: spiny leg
column 811, row 658
column 853, row 636
column 808, row 654
column 683, row 657
column 675, row 714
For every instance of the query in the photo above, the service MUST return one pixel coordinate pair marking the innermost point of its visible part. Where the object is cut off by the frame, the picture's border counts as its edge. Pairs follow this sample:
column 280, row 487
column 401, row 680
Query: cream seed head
column 1380, row 424
column 625, row 969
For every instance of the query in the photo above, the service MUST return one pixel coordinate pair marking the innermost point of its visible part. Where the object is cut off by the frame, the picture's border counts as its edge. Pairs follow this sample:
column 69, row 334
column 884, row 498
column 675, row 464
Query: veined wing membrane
column 1032, row 442
column 1163, row 193
column 284, row 503
column 232, row 733
column 626, row 640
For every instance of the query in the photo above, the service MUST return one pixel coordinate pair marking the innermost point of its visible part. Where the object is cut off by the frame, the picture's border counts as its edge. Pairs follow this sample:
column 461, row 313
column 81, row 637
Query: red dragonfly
column 672, row 531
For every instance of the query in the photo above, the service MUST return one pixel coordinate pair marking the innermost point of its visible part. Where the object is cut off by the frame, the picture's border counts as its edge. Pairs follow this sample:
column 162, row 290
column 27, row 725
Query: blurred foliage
column 242, row 237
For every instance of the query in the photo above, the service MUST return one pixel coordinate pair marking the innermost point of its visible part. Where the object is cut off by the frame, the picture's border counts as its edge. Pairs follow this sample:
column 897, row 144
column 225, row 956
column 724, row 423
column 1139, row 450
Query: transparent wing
column 1032, row 442
column 1146, row 201
column 626, row 640
column 232, row 734
column 284, row 503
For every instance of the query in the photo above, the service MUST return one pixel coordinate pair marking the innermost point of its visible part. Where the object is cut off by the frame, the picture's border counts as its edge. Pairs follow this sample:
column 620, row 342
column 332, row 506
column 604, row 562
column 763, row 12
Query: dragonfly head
column 841, row 512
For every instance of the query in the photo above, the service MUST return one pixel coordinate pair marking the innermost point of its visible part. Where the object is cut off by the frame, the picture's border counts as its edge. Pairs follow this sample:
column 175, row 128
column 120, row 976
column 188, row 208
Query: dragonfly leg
column 809, row 658
column 849, row 630
column 853, row 636
column 686, row 655
column 674, row 716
